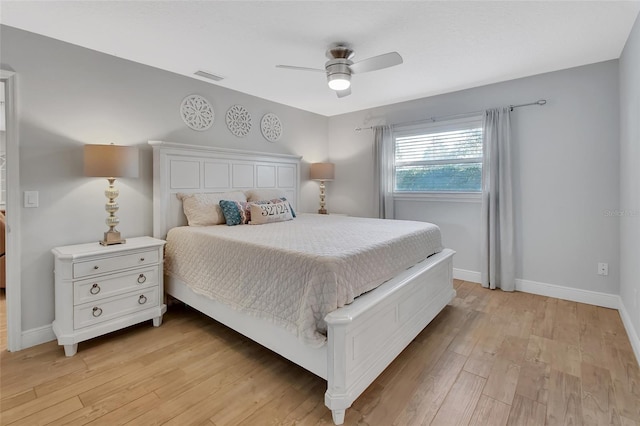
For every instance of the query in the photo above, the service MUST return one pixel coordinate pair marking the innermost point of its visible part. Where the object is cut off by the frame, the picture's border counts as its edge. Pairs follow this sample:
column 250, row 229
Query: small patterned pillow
column 236, row 212
column 268, row 213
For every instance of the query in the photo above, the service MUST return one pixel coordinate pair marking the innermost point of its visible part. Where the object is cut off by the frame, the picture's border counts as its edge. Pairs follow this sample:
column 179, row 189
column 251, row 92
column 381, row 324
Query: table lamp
column 111, row 161
column 322, row 172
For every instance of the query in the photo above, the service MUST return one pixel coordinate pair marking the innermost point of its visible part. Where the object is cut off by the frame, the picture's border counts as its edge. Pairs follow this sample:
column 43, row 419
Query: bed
column 349, row 340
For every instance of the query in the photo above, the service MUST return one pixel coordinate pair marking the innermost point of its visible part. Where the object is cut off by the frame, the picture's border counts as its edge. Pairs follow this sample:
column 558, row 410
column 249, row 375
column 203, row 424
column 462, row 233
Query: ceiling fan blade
column 377, row 63
column 291, row 67
column 343, row 93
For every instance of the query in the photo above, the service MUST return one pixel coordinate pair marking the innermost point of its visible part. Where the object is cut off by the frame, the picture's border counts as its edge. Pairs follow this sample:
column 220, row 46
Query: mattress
column 294, row 273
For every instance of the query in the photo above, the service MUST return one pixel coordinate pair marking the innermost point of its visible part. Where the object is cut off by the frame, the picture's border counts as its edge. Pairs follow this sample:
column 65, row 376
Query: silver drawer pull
column 141, row 279
column 97, row 311
column 95, row 289
column 142, row 259
column 96, row 267
column 142, row 299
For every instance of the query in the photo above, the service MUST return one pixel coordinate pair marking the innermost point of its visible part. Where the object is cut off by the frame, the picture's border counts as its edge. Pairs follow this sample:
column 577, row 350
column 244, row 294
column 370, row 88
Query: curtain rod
column 433, row 119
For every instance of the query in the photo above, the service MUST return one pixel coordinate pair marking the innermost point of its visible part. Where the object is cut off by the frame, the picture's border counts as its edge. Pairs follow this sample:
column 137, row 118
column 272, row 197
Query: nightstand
column 102, row 289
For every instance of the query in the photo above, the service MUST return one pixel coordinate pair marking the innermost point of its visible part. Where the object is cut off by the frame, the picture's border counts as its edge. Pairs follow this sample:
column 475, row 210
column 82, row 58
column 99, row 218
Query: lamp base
column 112, row 237
column 323, row 211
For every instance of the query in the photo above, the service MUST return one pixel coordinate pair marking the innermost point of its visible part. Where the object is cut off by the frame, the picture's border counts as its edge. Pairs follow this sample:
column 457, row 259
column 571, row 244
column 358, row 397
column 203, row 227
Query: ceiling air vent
column 208, row 75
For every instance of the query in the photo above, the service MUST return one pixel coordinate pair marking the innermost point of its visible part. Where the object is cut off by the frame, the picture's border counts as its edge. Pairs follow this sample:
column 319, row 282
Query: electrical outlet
column 603, row 269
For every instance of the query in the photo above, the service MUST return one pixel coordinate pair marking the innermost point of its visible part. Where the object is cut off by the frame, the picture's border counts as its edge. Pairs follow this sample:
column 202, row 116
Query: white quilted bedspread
column 294, row 273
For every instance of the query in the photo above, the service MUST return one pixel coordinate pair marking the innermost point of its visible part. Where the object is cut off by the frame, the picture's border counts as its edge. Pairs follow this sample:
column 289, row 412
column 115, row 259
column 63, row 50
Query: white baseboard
column 634, row 337
column 464, row 275
column 606, row 300
column 36, row 336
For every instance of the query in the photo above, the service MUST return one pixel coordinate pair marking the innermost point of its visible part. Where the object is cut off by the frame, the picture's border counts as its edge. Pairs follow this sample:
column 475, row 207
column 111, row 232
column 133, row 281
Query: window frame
column 436, row 127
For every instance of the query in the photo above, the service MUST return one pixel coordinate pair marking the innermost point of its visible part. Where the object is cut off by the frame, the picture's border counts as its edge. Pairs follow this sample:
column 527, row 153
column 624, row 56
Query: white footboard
column 366, row 336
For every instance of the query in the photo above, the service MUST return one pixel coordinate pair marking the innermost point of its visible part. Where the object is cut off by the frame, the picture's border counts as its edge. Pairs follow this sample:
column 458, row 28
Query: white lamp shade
column 322, row 171
column 110, row 161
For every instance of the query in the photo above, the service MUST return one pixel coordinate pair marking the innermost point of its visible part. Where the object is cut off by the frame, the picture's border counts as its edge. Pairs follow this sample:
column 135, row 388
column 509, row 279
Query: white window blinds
column 439, row 157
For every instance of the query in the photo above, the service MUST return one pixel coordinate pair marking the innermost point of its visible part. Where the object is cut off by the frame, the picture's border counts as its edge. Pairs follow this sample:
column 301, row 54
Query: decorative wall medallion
column 271, row 127
column 197, row 112
column 238, row 120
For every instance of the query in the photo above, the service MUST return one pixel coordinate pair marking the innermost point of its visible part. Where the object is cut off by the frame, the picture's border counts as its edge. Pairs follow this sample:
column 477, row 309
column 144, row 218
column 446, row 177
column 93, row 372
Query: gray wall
column 630, row 177
column 566, row 157
column 69, row 96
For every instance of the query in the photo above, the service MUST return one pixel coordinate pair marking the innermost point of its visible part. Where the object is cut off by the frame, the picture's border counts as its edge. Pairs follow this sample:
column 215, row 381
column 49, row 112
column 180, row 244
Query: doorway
column 11, row 197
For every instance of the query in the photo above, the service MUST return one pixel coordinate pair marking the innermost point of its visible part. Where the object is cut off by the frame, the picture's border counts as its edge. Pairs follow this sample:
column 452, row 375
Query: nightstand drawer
column 111, row 285
column 115, row 263
column 114, row 307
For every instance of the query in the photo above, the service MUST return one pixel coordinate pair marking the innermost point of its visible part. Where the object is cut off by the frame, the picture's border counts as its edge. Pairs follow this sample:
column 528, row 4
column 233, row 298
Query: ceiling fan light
column 339, row 81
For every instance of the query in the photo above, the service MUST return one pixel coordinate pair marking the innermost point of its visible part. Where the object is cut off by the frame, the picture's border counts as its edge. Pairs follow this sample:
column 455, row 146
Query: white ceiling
column 446, row 45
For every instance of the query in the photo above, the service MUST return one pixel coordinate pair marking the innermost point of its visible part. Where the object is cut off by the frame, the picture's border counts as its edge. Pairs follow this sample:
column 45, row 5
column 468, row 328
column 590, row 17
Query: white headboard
column 189, row 168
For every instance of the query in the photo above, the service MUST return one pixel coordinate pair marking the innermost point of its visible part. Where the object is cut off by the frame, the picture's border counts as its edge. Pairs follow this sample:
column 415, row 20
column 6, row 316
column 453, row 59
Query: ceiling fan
column 339, row 67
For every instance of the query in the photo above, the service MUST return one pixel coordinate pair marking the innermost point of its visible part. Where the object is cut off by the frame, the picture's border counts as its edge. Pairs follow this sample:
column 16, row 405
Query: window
column 441, row 157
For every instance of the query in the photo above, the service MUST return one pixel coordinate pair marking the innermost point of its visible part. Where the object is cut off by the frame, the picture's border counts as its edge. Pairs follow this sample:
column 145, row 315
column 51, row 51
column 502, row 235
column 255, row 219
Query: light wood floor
column 490, row 358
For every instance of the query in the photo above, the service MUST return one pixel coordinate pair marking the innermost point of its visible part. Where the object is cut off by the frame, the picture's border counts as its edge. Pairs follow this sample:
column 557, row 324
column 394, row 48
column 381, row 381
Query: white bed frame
column 363, row 338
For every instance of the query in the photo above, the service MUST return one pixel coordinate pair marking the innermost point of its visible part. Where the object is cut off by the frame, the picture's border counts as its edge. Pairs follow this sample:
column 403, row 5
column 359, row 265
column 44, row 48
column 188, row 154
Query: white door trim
column 13, row 252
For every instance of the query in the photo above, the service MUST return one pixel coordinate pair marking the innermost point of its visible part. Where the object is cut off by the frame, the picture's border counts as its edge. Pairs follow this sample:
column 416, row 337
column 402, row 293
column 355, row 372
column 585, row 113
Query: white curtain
column 497, row 251
column 383, row 171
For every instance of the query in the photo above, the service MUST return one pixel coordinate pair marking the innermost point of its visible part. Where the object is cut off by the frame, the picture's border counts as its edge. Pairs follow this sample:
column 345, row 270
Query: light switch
column 30, row 199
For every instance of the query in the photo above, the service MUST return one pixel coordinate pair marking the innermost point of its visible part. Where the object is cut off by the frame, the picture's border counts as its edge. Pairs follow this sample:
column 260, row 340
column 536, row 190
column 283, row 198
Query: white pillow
column 263, row 194
column 203, row 209
column 268, row 213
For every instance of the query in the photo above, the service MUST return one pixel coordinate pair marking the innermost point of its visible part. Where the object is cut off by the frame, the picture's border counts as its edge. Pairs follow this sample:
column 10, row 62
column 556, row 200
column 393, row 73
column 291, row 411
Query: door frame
column 13, row 252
